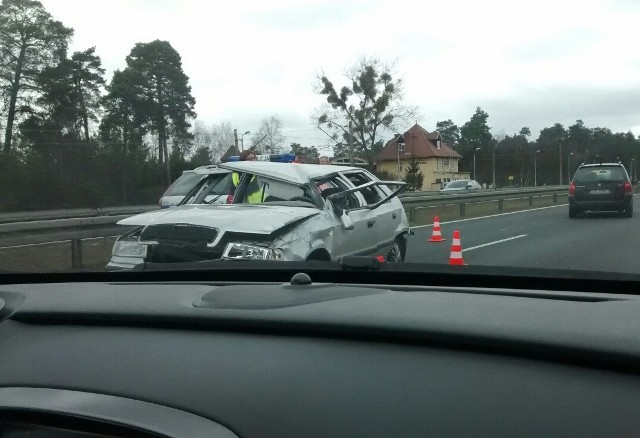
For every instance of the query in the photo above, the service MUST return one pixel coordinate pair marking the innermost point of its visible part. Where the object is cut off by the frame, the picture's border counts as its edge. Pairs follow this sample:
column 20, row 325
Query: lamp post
column 493, row 166
column 631, row 170
column 242, row 139
column 535, row 168
column 400, row 148
column 474, row 163
column 569, row 167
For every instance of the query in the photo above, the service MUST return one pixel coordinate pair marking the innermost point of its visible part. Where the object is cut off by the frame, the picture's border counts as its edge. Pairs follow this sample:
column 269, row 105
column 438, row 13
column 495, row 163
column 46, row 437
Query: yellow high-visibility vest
column 254, row 197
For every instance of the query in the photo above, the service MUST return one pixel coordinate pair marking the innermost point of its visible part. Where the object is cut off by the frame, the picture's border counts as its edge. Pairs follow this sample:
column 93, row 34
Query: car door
column 386, row 217
column 362, row 239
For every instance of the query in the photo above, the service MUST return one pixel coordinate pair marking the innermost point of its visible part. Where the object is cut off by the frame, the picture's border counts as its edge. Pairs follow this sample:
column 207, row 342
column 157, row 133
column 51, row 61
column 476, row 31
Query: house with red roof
column 438, row 162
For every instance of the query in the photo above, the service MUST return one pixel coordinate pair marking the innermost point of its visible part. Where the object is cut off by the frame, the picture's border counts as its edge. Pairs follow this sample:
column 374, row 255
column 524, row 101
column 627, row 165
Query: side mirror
column 340, row 212
column 347, row 223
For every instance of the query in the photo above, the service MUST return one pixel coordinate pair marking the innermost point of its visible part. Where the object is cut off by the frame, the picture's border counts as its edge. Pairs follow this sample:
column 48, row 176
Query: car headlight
column 243, row 251
column 129, row 248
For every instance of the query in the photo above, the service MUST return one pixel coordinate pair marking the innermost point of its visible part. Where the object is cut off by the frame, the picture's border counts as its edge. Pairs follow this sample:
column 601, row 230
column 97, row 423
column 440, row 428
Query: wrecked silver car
column 274, row 211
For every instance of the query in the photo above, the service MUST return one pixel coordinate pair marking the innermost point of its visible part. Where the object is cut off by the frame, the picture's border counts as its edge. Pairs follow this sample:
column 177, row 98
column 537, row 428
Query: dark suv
column 601, row 187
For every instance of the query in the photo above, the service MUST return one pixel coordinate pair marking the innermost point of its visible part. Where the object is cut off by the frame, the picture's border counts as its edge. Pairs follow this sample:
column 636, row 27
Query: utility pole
column 235, row 136
column 560, row 162
column 569, row 167
column 351, row 153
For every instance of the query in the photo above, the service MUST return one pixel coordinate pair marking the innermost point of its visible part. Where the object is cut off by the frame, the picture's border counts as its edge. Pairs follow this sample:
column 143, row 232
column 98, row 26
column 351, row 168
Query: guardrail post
column 555, row 198
column 76, row 253
column 531, row 201
column 412, row 215
column 462, row 209
column 501, row 205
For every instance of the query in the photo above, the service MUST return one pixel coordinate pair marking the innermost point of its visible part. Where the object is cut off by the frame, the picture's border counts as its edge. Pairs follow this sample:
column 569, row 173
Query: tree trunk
column 166, row 170
column 125, row 140
column 162, row 136
column 85, row 117
column 160, row 150
column 15, row 87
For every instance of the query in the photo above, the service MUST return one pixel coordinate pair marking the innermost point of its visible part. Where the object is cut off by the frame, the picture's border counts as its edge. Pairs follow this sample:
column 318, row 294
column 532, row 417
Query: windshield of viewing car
column 355, row 128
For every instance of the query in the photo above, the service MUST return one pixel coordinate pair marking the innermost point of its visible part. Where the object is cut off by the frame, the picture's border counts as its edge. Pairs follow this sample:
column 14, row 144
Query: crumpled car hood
column 261, row 219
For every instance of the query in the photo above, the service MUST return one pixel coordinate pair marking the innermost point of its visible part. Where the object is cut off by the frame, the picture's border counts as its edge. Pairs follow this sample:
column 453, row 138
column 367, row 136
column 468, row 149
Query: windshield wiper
column 212, row 201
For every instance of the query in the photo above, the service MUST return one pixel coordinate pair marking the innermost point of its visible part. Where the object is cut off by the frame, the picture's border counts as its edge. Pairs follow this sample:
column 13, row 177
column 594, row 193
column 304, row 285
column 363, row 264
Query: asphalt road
column 540, row 238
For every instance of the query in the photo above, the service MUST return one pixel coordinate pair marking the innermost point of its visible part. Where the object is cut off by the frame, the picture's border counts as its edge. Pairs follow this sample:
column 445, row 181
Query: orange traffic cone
column 436, row 236
column 456, row 250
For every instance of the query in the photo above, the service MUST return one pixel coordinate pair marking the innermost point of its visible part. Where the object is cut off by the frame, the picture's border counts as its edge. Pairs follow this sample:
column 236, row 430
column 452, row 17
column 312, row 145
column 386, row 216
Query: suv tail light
column 230, row 199
column 628, row 188
column 572, row 188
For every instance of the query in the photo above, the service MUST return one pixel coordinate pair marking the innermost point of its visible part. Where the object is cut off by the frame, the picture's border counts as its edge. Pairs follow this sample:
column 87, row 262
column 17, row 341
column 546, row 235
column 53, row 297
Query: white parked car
column 279, row 211
column 461, row 185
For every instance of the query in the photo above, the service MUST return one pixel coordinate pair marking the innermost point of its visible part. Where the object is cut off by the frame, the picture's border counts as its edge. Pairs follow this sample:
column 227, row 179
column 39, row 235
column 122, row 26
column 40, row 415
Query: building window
column 445, row 163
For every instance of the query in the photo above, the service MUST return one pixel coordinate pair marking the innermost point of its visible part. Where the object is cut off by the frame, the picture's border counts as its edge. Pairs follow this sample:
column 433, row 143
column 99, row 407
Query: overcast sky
column 534, row 65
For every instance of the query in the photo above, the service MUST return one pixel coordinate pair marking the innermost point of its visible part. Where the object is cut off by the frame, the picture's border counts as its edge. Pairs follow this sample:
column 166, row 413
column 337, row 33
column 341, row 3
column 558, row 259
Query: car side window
column 371, row 195
column 330, row 186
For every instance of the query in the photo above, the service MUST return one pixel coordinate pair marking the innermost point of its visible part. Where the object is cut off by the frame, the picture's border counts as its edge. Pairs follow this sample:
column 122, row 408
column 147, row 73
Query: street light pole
column 560, row 161
column 399, row 147
column 242, row 139
column 493, row 158
column 535, row 168
column 569, row 167
column 474, row 163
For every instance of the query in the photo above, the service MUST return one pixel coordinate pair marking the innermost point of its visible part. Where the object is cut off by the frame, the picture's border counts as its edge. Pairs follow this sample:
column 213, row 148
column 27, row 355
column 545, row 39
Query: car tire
column 628, row 212
column 572, row 212
column 397, row 251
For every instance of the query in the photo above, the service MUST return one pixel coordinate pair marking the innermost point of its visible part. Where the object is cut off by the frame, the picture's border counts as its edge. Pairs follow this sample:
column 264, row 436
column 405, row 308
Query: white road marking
column 495, row 242
column 490, row 216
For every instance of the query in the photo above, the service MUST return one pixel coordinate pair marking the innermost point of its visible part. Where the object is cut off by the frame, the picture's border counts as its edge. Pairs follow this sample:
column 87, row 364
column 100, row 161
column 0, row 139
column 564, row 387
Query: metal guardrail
column 477, row 194
column 28, row 228
column 31, row 228
column 412, row 202
column 30, row 216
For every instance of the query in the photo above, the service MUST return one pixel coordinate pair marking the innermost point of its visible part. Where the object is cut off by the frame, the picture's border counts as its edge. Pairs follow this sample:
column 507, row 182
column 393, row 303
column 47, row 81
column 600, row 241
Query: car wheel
column 396, row 253
column 572, row 212
column 628, row 212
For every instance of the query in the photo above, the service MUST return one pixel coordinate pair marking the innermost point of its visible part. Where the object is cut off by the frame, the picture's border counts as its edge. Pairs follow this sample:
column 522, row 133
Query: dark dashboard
column 319, row 359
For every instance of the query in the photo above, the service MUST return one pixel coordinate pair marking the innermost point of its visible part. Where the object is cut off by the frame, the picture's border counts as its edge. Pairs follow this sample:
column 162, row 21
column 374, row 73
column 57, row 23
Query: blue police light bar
column 274, row 158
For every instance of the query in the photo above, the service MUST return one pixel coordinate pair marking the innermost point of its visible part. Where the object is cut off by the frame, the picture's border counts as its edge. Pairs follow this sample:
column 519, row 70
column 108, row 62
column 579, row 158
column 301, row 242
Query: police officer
column 254, row 192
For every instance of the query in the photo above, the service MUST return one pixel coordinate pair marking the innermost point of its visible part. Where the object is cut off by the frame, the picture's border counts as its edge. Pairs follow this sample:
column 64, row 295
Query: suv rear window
column 599, row 174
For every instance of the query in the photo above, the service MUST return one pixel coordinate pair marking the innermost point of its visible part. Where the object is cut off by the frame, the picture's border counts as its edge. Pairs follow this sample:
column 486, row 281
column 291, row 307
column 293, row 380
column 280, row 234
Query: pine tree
column 414, row 177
